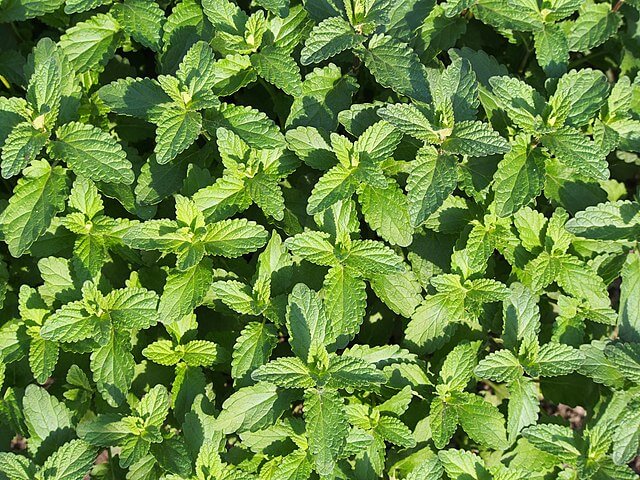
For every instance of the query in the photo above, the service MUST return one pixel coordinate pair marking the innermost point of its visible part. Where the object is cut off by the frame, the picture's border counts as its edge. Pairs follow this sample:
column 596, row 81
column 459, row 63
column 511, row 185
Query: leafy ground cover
column 336, row 239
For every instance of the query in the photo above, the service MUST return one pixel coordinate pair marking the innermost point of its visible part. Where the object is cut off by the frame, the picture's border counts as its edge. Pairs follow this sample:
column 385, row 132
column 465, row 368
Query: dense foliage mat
column 342, row 239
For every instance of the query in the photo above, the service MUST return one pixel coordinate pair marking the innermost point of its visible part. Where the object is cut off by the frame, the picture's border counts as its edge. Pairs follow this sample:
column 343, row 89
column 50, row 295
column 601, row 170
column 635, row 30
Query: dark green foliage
column 319, row 239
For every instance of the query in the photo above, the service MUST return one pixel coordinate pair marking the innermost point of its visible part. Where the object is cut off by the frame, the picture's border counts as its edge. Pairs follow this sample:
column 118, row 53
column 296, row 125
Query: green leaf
column 132, row 308
column 312, row 246
column 253, row 126
column 132, row 450
column 575, row 150
column 58, row 283
column 595, row 25
column 499, row 366
column 409, row 120
column 233, row 238
column 16, row 467
column 626, row 438
column 231, row 73
column 394, row 431
column 162, row 352
column 142, row 20
column 554, row 439
column 476, row 139
column 23, row 145
column 582, row 281
column 518, row 15
column 626, row 357
column 48, row 420
column 552, row 49
column 523, row 406
column 196, row 73
column 12, row 113
column 236, row 295
column 80, row 6
column 287, row 372
column 371, row 257
column 154, row 234
column 345, row 301
column 327, row 39
column 443, row 420
column 312, row 146
column 401, row 292
column 598, row 367
column 307, row 322
column 379, row 141
column 522, row 103
column 39, row 195
column 325, row 92
column 294, row 466
column 578, row 96
column 437, row 32
column 184, row 291
column 113, row 365
column 458, row 367
column 430, row 469
column 136, row 97
column 72, row 461
column 607, row 221
column 70, row 323
column 558, row 359
column 326, row 427
column 250, row 409
column 395, row 65
column 278, row 7
column 386, row 211
column 482, row 421
column 92, row 153
column 521, row 316
column 629, row 314
column 289, row 32
column 456, row 88
column 199, row 353
column 43, row 357
column 177, row 130
column 335, row 185
column 520, row 177
column 430, row 325
column 85, row 197
column 252, row 349
column 279, row 69
column 222, row 199
column 353, row 372
column 18, row 10
column 154, row 406
column 432, row 178
column 91, row 44
column 462, row 465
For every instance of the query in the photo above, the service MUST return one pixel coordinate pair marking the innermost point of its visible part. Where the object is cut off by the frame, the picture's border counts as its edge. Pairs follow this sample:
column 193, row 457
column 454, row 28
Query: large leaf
column 39, row 195
column 92, row 153
column 396, row 66
column 327, row 427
